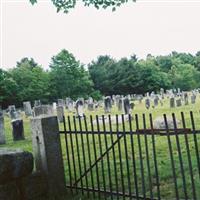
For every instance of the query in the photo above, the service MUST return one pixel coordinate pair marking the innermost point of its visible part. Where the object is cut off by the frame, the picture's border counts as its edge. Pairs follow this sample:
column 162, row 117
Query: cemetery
column 117, row 113
column 99, row 100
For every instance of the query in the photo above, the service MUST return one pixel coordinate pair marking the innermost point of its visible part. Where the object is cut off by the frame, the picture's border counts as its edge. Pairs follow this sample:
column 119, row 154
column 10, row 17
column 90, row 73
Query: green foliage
column 66, row 5
column 68, row 77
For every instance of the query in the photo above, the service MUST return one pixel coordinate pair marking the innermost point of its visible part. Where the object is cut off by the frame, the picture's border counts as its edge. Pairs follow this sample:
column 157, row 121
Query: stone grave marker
column 172, row 102
column 60, row 113
column 178, row 102
column 79, row 108
column 107, row 104
column 127, row 106
column 193, row 99
column 27, row 108
column 2, row 129
column 147, row 103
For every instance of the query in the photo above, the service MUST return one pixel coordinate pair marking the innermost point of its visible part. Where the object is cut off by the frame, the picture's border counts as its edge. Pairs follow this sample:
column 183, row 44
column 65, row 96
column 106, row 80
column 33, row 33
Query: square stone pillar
column 48, row 153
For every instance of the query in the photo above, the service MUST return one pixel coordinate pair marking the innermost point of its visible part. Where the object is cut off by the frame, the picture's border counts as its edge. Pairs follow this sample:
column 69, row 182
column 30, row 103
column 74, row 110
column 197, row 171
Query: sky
column 147, row 26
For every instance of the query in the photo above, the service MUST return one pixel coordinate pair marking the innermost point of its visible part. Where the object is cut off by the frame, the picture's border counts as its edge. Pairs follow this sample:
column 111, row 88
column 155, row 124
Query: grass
column 84, row 146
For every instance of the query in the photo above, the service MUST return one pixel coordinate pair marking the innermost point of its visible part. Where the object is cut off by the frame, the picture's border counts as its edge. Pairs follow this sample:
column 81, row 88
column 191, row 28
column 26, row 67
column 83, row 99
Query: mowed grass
column 116, row 169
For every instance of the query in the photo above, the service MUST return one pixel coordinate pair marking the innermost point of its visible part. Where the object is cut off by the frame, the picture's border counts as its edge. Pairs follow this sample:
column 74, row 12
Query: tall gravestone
column 147, row 103
column 107, row 104
column 126, row 106
column 18, row 129
column 60, row 113
column 172, row 102
column 27, row 108
column 186, row 100
column 193, row 99
column 2, row 130
column 156, row 100
column 79, row 108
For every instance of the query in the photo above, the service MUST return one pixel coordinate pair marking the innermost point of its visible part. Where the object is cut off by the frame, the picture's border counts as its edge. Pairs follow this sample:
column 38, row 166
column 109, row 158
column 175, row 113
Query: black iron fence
column 125, row 157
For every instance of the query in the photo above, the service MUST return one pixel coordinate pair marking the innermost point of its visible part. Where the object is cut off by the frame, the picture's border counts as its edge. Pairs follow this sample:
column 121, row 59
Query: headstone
column 186, row 100
column 79, row 108
column 54, row 106
column 120, row 105
column 193, row 99
column 37, row 103
column 70, row 106
column 27, row 108
column 61, row 102
column 127, row 106
column 178, row 102
column 107, row 104
column 42, row 110
column 60, row 113
column 13, row 113
column 172, row 102
column 2, row 130
column 156, row 100
column 159, row 123
column 132, row 105
column 90, row 106
column 17, row 129
column 147, row 103
column 162, row 93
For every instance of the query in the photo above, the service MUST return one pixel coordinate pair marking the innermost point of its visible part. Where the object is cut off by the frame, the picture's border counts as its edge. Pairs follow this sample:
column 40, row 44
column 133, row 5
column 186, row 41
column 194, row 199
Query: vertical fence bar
column 189, row 157
column 72, row 148
column 95, row 154
column 126, row 156
column 108, row 158
column 114, row 157
column 89, row 153
column 67, row 154
column 147, row 156
column 155, row 157
column 101, row 152
column 133, row 158
column 120, row 156
column 180, row 156
column 171, row 157
column 83, row 151
column 78, row 153
column 195, row 141
column 140, row 156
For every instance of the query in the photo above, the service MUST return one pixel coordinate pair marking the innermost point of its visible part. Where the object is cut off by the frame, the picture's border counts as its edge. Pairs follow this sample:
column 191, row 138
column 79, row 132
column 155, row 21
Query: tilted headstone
column 147, row 103
column 17, row 129
column 178, row 102
column 2, row 129
column 27, row 108
column 79, row 107
column 37, row 103
column 107, row 104
column 42, row 110
column 126, row 106
column 60, row 113
column 172, row 102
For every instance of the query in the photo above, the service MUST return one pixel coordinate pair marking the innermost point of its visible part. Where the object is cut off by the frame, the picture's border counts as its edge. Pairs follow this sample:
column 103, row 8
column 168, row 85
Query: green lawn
column 162, row 154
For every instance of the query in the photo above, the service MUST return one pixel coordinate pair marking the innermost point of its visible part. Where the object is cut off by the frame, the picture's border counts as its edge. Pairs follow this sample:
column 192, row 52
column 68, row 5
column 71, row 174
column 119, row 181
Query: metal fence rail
column 126, row 158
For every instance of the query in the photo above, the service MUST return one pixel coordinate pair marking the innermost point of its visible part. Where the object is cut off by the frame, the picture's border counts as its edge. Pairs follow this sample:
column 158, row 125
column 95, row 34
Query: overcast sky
column 157, row 27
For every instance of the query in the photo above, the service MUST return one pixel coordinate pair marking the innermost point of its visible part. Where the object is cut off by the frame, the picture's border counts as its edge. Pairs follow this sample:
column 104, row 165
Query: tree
column 66, row 5
column 32, row 81
column 68, row 77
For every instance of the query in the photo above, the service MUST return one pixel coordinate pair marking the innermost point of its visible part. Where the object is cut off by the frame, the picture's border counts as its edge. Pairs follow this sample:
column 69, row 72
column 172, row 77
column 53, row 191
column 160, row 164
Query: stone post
column 48, row 154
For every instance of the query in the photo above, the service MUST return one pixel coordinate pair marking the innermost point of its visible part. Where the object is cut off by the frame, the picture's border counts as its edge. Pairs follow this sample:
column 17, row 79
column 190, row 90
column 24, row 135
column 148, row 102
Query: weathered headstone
column 120, row 104
column 90, row 106
column 132, row 105
column 54, row 106
column 159, row 123
column 178, row 102
column 61, row 102
column 27, row 108
column 172, row 102
column 107, row 104
column 186, row 100
column 147, row 103
column 13, row 113
column 2, row 130
column 43, row 110
column 18, row 129
column 37, row 103
column 70, row 106
column 60, row 113
column 193, row 99
column 156, row 100
column 79, row 108
column 126, row 106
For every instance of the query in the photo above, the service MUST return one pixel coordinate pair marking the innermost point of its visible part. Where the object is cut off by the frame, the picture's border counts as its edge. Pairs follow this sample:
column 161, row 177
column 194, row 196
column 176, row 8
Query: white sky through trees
column 156, row 27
